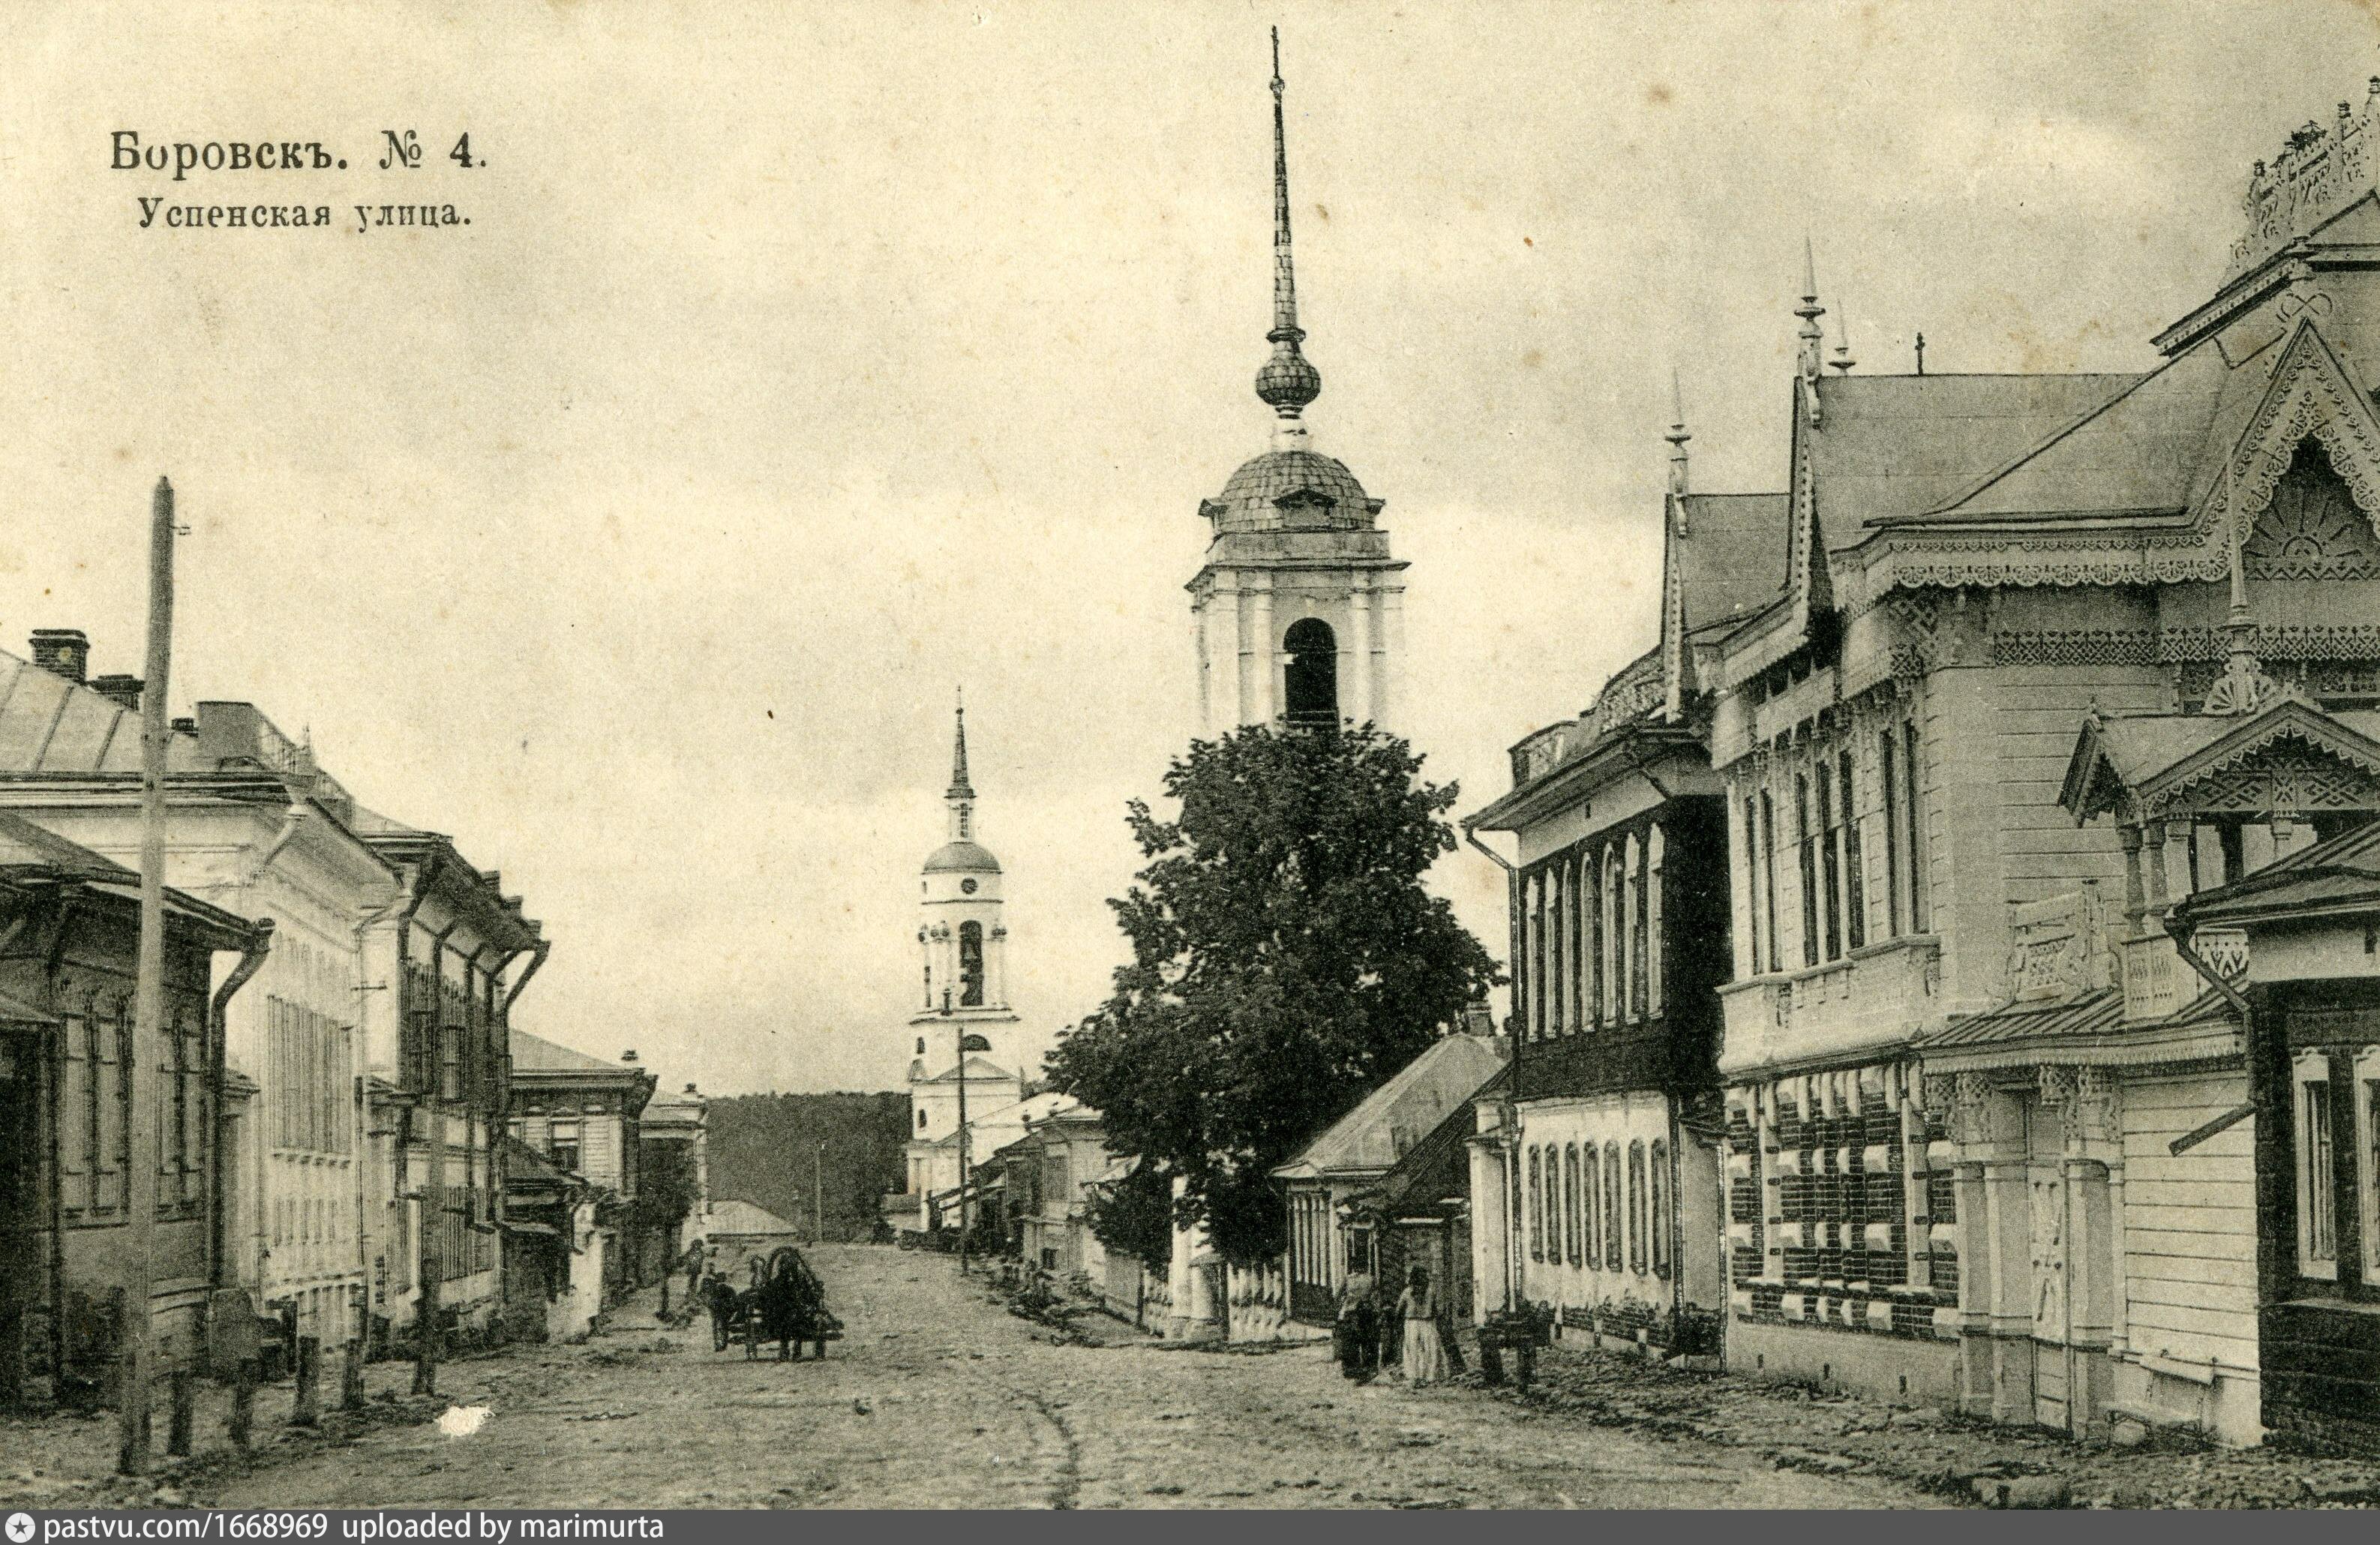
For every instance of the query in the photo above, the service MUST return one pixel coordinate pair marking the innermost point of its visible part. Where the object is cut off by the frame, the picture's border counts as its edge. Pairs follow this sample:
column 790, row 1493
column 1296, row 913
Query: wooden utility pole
column 140, row 1072
column 818, row 1195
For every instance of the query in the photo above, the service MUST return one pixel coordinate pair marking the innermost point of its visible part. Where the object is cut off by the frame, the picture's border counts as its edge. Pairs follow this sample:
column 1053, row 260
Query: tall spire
column 1843, row 361
column 960, row 788
column 1677, row 437
column 1814, row 337
column 1288, row 381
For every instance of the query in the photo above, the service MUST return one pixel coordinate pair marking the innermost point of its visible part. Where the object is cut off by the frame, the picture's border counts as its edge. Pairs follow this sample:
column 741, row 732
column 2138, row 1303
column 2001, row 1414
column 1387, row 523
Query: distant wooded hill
column 762, row 1147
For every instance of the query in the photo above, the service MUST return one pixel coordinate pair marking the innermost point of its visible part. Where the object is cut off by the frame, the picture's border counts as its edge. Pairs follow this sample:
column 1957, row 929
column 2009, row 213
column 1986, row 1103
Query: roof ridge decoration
column 2320, row 172
column 1676, row 655
column 1808, row 581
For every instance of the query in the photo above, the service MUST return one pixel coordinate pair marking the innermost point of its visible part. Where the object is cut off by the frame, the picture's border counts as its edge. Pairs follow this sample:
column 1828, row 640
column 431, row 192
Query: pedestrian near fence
column 1424, row 1352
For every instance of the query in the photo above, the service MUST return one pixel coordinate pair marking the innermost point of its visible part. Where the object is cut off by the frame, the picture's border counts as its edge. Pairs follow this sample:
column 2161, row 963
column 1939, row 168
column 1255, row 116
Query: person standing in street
column 1358, row 1330
column 721, row 1300
column 1424, row 1354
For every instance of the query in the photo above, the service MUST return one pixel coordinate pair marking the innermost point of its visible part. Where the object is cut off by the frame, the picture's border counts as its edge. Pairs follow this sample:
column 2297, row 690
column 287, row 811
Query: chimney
column 62, row 652
column 689, row 1088
column 186, row 727
column 124, row 690
column 630, row 1055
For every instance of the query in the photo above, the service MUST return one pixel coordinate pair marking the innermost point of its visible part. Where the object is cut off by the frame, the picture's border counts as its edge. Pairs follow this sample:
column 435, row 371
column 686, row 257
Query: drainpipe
column 252, row 951
column 291, row 819
column 1510, row 1136
column 500, row 1073
column 2180, row 932
column 536, row 960
column 53, row 957
column 400, row 1139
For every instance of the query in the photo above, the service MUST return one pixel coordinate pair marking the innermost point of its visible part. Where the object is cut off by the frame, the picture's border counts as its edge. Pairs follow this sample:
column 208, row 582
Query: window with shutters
column 1658, row 1180
column 1577, row 1203
column 1769, row 879
column 1655, row 850
column 123, row 1115
column 1806, row 853
column 1614, row 1228
column 1920, row 903
column 1536, row 1205
column 1591, row 1200
column 1636, row 1208
column 1855, row 881
column 2317, row 1169
column 1830, row 867
column 1895, row 860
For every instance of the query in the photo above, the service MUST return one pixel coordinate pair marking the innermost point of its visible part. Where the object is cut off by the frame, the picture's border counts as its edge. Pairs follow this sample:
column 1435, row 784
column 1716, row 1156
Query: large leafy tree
column 1285, row 960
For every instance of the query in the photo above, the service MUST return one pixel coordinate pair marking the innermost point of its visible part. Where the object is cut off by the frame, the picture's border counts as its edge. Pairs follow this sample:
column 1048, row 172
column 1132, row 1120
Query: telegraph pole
column 143, row 1090
column 817, row 1193
column 958, row 1031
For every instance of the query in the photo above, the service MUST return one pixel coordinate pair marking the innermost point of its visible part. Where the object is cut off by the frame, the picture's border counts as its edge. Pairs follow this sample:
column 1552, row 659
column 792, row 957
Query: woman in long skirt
column 1425, row 1355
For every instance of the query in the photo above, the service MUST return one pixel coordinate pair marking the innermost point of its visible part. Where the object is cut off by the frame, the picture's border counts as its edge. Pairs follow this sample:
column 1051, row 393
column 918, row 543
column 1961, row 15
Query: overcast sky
column 801, row 363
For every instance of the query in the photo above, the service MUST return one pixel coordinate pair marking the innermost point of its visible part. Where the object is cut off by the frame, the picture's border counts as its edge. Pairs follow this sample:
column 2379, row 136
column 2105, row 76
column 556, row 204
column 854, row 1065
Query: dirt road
column 940, row 1398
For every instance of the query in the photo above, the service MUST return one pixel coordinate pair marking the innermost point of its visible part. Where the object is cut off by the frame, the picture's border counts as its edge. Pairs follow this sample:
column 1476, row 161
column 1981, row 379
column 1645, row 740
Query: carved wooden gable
column 2313, row 528
column 2289, row 757
column 2311, row 398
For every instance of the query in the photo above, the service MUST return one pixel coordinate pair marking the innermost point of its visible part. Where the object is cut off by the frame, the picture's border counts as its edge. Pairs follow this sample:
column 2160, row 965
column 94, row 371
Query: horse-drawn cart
column 787, row 1306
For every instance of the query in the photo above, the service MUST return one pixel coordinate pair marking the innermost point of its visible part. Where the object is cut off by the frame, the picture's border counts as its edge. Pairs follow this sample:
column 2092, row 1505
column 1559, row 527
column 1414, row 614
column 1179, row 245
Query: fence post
column 131, row 1394
column 309, row 1359
column 243, row 1402
column 351, row 1376
column 177, row 1435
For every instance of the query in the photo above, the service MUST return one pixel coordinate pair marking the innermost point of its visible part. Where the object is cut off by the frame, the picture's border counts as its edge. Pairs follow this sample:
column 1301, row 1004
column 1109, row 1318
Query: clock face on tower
column 966, row 887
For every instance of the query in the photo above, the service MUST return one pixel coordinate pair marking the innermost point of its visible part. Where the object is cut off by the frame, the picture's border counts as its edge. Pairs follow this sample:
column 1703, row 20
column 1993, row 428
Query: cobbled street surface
column 940, row 1397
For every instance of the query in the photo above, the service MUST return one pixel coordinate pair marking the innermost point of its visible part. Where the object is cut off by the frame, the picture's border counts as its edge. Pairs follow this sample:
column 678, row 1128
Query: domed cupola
column 1298, row 610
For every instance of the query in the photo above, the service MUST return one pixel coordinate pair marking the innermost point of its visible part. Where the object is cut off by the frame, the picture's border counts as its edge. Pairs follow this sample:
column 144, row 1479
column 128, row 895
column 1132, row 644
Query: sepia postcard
column 1026, row 754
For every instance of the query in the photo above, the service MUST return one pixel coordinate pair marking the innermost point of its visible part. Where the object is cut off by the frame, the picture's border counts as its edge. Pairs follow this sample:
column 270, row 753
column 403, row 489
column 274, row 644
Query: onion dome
column 1288, row 381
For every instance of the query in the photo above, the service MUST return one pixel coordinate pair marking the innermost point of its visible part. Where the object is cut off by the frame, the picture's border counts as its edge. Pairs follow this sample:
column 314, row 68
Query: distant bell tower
column 1298, row 612
column 963, row 965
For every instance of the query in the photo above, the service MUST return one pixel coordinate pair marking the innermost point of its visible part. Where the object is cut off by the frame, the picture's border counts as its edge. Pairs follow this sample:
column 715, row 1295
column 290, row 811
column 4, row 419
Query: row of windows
column 1591, row 935
column 1831, row 864
column 307, row 1221
column 1581, row 1209
column 95, row 1112
column 1824, row 1199
column 310, row 1078
column 449, row 1037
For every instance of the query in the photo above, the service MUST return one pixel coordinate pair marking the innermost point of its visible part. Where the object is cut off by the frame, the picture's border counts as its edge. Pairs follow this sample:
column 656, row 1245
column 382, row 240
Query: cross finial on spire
column 1288, row 381
column 1813, row 338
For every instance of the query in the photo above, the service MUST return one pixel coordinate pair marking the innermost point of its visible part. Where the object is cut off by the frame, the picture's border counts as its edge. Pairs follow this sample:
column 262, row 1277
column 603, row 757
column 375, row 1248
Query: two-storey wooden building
column 1596, row 1179
column 2051, row 654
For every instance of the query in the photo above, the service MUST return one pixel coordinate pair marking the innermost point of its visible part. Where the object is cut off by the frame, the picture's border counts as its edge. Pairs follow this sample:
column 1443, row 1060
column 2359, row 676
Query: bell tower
column 962, row 992
column 1298, row 613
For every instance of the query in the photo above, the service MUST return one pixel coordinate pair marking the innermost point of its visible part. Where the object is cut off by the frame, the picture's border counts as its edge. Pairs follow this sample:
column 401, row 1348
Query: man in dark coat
column 720, row 1298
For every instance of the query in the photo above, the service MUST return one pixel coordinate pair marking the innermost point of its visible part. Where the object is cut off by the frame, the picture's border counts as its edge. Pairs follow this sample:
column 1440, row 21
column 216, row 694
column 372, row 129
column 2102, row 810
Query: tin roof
column 1402, row 1111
